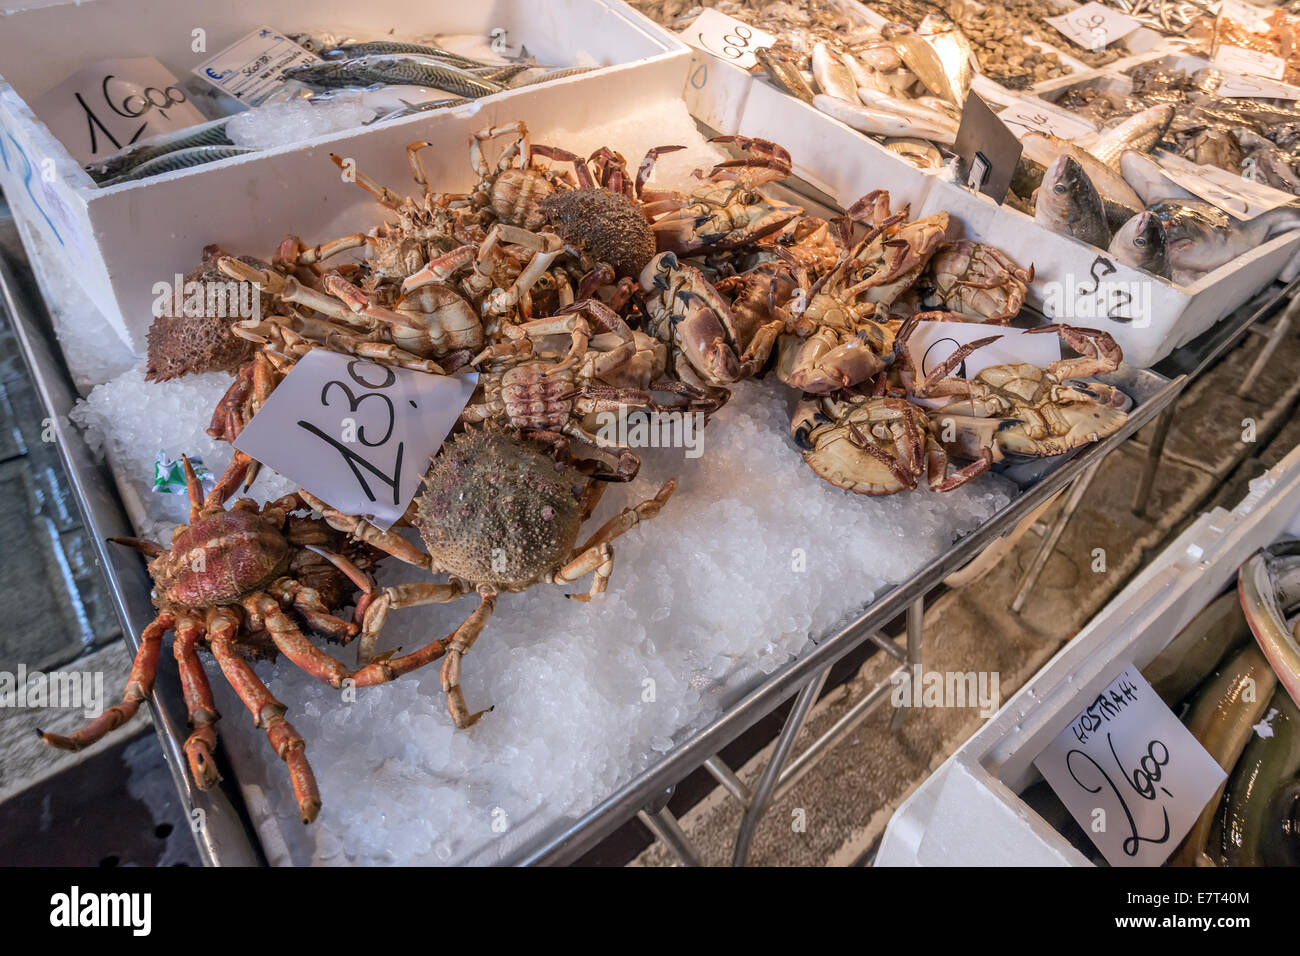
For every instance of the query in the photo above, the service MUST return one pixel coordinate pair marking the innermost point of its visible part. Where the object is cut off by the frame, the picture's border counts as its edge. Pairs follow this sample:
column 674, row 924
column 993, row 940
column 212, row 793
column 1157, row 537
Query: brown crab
column 498, row 514
column 971, row 280
column 234, row 581
column 875, row 445
column 1025, row 410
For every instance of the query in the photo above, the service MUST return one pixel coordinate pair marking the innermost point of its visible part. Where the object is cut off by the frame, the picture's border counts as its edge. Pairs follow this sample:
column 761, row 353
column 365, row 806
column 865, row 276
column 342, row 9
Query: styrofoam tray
column 123, row 239
column 1076, row 283
column 968, row 812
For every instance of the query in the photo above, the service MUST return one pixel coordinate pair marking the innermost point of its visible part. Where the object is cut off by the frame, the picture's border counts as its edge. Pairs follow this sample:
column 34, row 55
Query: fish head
column 1141, row 242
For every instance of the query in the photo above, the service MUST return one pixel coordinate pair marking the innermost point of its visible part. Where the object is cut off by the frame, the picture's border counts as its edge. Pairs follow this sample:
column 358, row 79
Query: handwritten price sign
column 355, row 434
column 1024, row 116
column 727, row 38
column 1131, row 774
column 1093, row 26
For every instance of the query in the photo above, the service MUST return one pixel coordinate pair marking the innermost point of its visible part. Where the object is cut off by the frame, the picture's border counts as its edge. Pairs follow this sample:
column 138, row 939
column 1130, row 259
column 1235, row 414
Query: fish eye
column 1139, row 241
column 1059, row 189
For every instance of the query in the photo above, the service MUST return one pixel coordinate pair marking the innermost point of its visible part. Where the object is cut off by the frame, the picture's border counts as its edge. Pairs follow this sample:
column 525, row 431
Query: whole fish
column 387, row 70
column 930, row 118
column 350, row 51
column 124, row 160
column 832, row 76
column 1148, row 180
column 1140, row 243
column 868, row 119
column 938, row 53
column 1068, row 203
column 783, row 74
column 1202, row 237
column 1119, row 200
column 530, row 78
column 178, row 159
column 410, row 109
column 1140, row 132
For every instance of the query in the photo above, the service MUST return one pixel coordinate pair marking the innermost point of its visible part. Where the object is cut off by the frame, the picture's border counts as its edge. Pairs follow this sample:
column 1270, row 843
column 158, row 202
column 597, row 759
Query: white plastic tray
column 123, row 239
column 968, row 812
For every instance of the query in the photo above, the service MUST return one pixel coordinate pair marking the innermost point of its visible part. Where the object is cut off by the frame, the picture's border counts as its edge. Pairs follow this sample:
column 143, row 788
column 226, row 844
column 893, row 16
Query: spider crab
column 1024, row 410
column 498, row 514
column 530, row 384
column 242, row 582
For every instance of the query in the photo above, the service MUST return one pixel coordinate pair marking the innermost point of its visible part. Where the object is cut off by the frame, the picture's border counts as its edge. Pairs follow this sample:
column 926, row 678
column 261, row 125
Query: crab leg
column 646, row 169
column 291, row 641
column 266, row 710
column 458, row 645
column 138, row 686
column 386, row 541
column 629, row 518
column 382, row 193
column 412, row 594
column 202, row 742
column 1101, row 354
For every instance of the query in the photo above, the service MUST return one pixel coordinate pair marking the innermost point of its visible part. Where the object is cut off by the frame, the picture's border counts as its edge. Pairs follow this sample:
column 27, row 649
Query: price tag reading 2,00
column 356, row 434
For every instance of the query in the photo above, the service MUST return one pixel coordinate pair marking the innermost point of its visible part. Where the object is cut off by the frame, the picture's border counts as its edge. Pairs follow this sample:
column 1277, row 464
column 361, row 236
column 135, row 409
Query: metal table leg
column 1273, row 338
column 666, row 828
column 915, row 631
column 767, row 782
column 1152, row 463
column 1045, row 547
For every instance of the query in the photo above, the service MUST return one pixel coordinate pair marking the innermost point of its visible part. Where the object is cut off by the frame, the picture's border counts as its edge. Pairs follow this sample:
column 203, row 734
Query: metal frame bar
column 1052, row 535
column 227, row 839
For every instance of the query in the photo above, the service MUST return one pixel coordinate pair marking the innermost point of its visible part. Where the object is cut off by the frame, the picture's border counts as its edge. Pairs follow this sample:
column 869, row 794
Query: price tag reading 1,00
column 727, row 38
column 356, row 434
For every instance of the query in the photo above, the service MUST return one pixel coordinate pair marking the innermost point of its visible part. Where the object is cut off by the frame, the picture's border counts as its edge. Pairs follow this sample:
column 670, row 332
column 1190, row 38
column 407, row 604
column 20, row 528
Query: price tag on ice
column 1251, row 62
column 1255, row 87
column 356, row 434
column 252, row 68
column 931, row 343
column 1131, row 774
column 727, row 38
column 1093, row 25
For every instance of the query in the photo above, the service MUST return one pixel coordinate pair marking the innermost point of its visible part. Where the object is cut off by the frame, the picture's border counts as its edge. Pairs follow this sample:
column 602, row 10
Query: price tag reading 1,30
column 355, row 434
column 1131, row 774
column 727, row 38
column 1094, row 25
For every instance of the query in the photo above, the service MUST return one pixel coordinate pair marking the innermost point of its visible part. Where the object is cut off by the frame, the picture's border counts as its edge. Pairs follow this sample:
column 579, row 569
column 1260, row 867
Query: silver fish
column 929, row 118
column 783, row 74
column 124, row 160
column 386, row 70
column 1148, row 180
column 350, row 51
column 410, row 109
column 1202, row 237
column 1068, row 203
column 920, row 153
column 867, row 119
column 832, row 76
column 1140, row 243
column 1139, row 132
column 179, row 159
column 938, row 53
column 530, row 79
column 1043, row 148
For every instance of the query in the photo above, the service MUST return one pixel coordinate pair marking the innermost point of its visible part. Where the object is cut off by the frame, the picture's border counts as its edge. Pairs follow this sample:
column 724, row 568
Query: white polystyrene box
column 968, row 812
column 1161, row 315
column 124, row 239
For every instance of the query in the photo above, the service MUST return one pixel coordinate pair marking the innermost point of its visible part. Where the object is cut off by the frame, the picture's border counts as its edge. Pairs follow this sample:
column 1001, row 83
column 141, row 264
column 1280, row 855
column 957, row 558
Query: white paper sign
column 1250, row 61
column 252, row 68
column 110, row 104
column 933, row 342
column 1241, row 198
column 1253, row 18
column 1094, row 25
column 355, row 434
column 727, row 38
column 1131, row 774
column 1255, row 87
column 1026, row 116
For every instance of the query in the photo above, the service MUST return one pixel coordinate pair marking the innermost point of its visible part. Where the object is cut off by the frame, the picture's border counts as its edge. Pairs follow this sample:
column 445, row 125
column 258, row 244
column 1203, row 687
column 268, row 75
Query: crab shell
column 218, row 560
column 830, row 448
column 499, row 511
